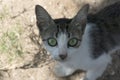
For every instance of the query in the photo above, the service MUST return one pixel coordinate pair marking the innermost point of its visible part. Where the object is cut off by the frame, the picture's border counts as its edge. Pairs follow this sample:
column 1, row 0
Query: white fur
column 78, row 58
column 62, row 44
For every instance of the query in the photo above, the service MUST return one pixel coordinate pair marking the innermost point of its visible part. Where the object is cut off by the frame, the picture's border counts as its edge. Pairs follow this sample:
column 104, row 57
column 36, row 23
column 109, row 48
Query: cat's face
column 61, row 37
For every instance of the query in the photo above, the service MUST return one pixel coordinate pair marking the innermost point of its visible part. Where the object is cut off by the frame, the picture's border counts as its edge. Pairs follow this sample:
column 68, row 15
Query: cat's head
column 61, row 37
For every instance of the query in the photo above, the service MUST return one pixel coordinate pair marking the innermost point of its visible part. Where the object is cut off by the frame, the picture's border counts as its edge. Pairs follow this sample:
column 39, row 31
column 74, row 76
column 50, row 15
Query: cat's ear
column 80, row 19
column 44, row 20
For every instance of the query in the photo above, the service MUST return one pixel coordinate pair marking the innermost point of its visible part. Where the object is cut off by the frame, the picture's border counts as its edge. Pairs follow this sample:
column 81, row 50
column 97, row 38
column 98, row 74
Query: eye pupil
column 52, row 42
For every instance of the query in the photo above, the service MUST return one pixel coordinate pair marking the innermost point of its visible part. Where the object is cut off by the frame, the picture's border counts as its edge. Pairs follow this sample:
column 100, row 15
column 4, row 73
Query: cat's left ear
column 81, row 18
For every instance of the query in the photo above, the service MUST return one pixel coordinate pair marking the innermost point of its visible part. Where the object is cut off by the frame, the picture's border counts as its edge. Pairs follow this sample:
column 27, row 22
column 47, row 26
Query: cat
column 83, row 42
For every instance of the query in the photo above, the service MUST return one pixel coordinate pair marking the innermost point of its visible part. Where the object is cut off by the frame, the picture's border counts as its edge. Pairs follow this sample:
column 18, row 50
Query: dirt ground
column 22, row 56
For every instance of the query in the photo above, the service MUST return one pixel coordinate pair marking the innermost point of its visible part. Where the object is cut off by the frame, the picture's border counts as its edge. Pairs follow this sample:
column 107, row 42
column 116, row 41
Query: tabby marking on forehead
column 62, row 28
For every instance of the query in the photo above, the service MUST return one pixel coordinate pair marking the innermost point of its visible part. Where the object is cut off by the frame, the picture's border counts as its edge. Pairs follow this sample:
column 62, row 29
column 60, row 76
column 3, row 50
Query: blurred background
column 22, row 56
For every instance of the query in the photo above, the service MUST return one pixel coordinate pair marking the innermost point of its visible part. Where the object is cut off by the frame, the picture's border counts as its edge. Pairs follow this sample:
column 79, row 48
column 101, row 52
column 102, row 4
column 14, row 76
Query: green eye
column 72, row 42
column 52, row 42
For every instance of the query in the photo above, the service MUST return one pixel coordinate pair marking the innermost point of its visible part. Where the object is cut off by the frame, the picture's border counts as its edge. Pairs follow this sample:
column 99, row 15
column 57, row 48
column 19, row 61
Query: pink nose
column 63, row 56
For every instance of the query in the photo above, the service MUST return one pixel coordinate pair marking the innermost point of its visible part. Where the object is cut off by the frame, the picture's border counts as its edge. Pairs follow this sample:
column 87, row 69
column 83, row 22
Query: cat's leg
column 63, row 71
column 97, row 70
column 95, row 73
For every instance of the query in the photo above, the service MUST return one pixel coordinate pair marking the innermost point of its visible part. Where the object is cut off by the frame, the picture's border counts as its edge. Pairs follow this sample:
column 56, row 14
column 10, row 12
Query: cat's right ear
column 79, row 21
column 44, row 20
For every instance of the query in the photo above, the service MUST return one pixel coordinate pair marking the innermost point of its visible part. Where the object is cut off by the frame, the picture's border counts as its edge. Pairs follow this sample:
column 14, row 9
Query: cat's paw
column 59, row 71
column 62, row 71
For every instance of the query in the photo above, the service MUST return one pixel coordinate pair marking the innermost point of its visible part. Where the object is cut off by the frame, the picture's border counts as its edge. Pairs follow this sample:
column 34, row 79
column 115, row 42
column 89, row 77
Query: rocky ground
column 22, row 56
